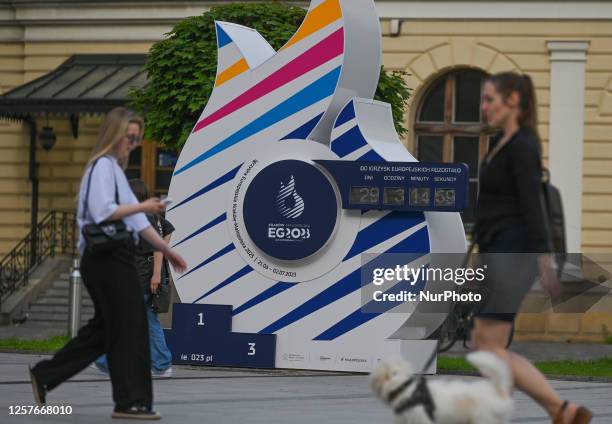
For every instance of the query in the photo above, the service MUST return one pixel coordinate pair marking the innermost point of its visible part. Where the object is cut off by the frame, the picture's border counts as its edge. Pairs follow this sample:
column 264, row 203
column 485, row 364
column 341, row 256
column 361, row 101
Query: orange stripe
column 231, row 72
column 319, row 17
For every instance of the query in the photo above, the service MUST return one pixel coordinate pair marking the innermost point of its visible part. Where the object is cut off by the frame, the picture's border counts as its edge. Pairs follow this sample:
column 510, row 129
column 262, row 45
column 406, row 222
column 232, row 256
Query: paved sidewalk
column 211, row 395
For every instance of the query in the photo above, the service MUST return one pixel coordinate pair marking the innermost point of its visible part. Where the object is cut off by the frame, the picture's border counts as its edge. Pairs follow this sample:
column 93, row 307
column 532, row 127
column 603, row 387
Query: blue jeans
column 161, row 357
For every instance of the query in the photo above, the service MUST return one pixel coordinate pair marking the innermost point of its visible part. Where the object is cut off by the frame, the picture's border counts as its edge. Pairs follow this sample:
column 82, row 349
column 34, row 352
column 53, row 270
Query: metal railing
column 55, row 234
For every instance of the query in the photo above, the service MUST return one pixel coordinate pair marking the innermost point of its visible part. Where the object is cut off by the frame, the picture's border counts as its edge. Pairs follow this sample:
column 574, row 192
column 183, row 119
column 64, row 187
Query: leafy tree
column 182, row 68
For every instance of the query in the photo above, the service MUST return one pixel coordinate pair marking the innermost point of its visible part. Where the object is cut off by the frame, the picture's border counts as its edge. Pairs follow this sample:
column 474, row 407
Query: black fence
column 55, row 234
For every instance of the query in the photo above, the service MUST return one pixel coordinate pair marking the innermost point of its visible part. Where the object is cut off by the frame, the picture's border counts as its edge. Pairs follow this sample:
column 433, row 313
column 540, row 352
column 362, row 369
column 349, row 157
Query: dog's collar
column 395, row 393
column 420, row 396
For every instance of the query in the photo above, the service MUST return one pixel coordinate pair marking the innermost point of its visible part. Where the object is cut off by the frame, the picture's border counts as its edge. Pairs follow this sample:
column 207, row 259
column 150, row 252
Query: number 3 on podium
column 251, row 349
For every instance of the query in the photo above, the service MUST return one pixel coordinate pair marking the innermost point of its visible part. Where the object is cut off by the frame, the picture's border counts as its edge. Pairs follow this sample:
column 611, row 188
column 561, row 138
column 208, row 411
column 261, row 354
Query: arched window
column 449, row 126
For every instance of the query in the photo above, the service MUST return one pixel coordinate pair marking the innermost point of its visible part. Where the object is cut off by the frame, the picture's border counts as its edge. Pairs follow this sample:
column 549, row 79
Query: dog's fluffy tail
column 493, row 368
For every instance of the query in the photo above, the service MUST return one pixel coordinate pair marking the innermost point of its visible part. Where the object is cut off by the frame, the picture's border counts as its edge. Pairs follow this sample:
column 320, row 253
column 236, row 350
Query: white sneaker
column 167, row 373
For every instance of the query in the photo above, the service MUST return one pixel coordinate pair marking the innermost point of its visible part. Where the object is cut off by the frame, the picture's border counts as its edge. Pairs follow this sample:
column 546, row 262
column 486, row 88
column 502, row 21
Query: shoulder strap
column 86, row 200
column 160, row 229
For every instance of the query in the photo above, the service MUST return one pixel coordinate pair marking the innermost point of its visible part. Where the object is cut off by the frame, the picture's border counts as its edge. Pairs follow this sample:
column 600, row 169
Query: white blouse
column 102, row 203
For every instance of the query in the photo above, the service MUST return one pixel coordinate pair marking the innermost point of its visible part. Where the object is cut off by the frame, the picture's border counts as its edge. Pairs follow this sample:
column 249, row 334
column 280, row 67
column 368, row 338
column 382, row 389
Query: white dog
column 417, row 400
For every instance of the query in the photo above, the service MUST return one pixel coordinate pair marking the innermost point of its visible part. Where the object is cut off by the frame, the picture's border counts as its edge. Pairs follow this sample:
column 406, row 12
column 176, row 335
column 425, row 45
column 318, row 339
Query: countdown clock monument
column 292, row 180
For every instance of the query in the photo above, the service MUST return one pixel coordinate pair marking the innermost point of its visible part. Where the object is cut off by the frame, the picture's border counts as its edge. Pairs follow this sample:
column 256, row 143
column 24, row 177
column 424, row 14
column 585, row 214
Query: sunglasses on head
column 133, row 138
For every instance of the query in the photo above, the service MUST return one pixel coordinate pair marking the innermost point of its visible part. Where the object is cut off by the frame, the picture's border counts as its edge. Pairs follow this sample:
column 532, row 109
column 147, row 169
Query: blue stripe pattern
column 218, row 182
column 317, row 91
column 304, row 131
column 416, row 243
column 358, row 317
column 346, row 115
column 388, row 226
column 222, row 37
column 217, row 255
column 208, row 226
column 263, row 296
column 372, row 156
column 240, row 273
column 348, row 142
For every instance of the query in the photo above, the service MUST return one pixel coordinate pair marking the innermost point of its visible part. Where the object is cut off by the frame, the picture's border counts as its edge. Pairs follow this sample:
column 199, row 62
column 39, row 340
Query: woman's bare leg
column 493, row 336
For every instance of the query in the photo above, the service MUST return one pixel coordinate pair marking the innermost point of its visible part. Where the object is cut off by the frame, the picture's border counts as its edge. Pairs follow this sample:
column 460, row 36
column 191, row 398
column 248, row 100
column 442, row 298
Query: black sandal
column 583, row 415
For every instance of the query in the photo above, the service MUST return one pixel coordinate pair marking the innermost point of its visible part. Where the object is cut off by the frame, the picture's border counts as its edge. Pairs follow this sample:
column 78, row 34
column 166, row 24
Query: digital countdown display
column 364, row 195
column 418, row 186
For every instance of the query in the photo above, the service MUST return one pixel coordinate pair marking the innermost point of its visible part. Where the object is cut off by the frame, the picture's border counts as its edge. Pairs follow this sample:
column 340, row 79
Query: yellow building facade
column 566, row 47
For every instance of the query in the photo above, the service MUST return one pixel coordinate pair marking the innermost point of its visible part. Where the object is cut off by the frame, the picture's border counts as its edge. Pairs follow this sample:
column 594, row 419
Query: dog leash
column 421, row 394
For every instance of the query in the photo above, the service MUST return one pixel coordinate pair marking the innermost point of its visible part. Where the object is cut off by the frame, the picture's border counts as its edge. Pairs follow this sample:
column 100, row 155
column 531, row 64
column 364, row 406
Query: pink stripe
column 324, row 51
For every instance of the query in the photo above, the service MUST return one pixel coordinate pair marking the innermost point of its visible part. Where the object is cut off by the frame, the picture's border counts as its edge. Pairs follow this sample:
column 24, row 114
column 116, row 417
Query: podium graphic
column 275, row 252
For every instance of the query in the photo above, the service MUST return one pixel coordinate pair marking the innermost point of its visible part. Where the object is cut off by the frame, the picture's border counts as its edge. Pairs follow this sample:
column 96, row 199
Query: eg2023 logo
column 290, row 205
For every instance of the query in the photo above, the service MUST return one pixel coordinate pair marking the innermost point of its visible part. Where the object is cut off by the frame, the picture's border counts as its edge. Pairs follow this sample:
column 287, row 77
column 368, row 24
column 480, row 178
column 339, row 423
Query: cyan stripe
column 241, row 273
column 318, row 90
column 219, row 181
column 348, row 142
column 388, row 226
column 346, row 115
column 217, row 255
column 413, row 244
column 304, row 131
column 358, row 317
column 222, row 37
column 208, row 226
column 263, row 296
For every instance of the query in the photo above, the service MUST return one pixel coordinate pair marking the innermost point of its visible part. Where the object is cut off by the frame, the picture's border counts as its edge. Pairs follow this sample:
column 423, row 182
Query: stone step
column 55, row 317
column 37, row 308
column 61, row 284
column 65, row 301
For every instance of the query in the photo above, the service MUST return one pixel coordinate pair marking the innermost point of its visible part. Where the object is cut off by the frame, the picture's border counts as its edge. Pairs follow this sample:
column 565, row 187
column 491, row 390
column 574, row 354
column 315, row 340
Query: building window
column 154, row 165
column 450, row 128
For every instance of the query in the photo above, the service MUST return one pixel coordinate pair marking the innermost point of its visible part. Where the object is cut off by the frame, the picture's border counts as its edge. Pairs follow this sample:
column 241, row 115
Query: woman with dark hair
column 119, row 326
column 512, row 234
column 151, row 271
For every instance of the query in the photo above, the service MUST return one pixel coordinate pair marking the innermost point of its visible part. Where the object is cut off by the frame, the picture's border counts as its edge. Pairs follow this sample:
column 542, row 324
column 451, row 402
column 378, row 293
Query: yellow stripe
column 321, row 16
column 231, row 72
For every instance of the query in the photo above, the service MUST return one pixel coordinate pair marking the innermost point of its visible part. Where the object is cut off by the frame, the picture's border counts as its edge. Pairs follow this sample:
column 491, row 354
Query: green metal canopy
column 83, row 84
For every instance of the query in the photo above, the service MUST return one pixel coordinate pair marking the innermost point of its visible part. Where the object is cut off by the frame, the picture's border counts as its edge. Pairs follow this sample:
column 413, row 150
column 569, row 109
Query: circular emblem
column 290, row 210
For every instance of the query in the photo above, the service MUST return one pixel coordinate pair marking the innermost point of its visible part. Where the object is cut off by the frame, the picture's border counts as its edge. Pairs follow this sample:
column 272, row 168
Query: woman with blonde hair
column 119, row 326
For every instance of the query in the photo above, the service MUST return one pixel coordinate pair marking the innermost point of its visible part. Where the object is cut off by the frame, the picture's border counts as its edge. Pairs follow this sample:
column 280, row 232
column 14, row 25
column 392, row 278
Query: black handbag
column 108, row 235
column 160, row 301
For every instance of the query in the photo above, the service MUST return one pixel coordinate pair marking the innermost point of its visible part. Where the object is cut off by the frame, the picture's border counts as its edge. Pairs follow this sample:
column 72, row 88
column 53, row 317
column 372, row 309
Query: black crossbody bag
column 160, row 301
column 108, row 235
